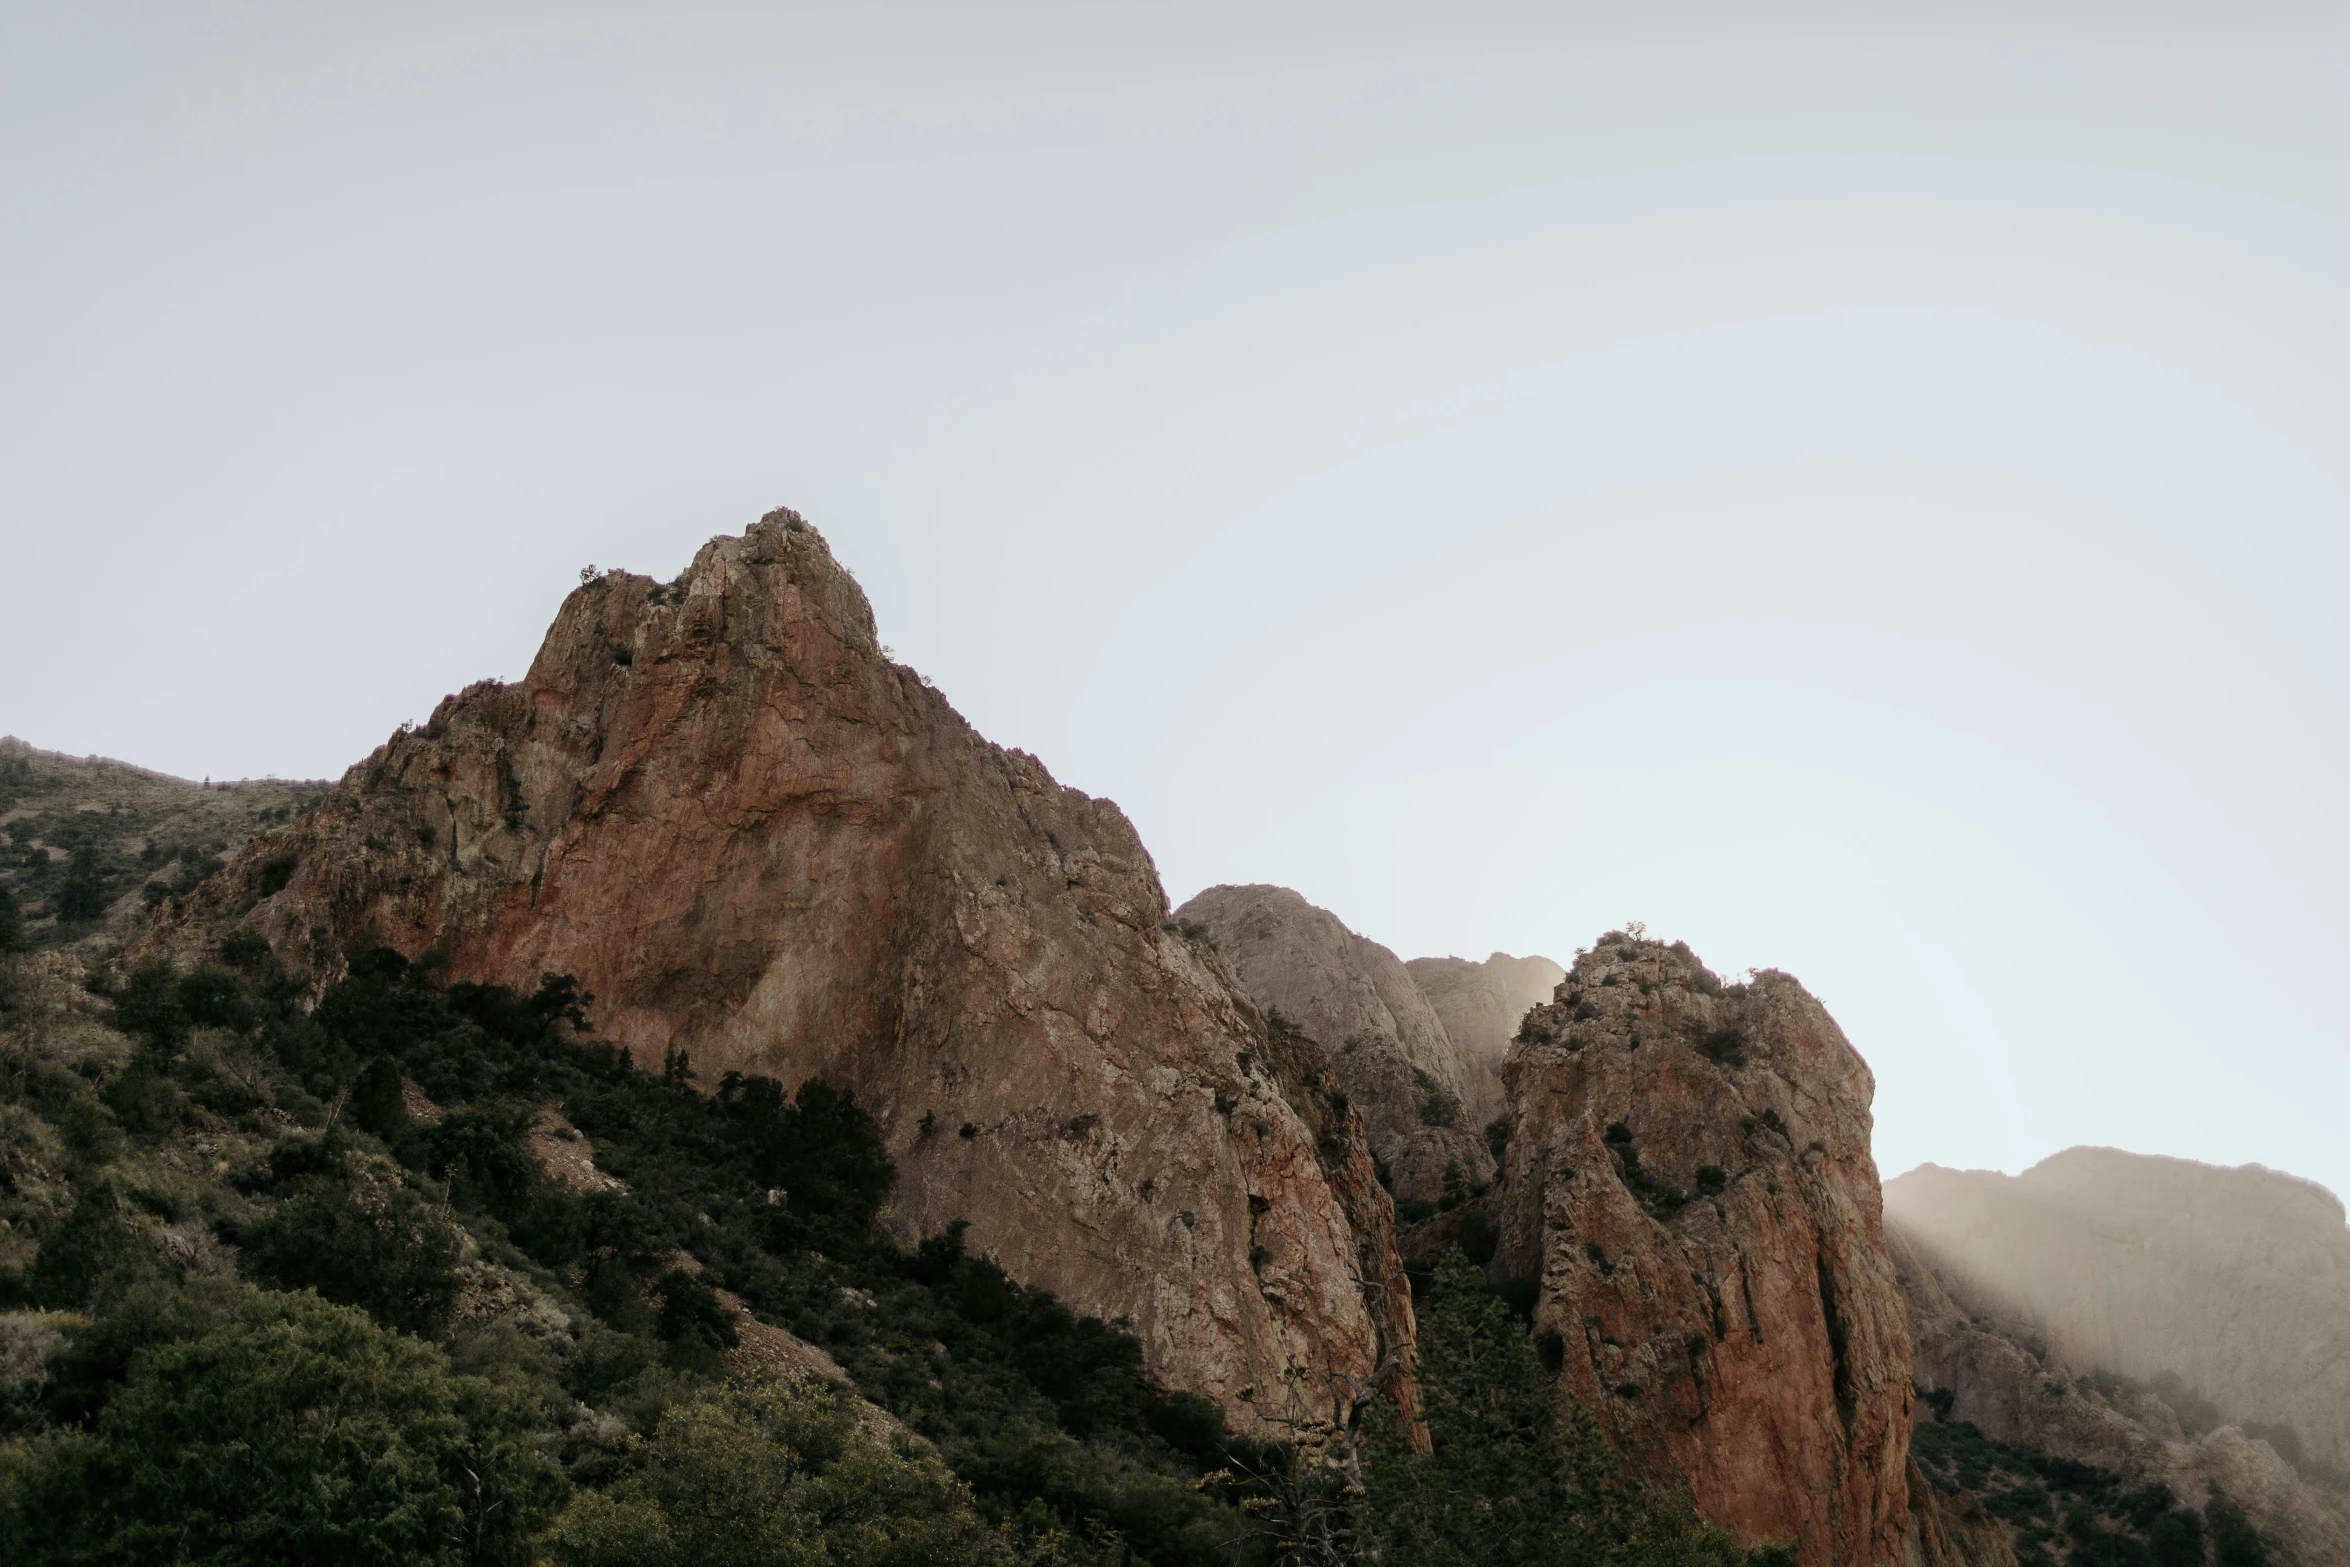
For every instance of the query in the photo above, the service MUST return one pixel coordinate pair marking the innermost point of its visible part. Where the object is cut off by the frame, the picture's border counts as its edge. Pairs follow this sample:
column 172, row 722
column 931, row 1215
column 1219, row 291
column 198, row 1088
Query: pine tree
column 1517, row 1477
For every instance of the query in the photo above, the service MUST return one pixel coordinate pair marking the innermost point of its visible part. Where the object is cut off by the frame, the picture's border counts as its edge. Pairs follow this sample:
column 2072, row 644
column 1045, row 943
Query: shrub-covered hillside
column 297, row 1284
column 87, row 843
column 2061, row 1510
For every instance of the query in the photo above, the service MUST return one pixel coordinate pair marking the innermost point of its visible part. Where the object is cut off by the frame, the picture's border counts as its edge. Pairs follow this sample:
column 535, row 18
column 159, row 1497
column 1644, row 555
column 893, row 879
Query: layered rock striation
column 762, row 846
column 1393, row 1057
column 1688, row 1189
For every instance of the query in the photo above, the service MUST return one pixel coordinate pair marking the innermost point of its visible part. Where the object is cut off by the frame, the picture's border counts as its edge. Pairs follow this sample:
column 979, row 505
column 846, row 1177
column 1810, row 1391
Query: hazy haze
column 1866, row 495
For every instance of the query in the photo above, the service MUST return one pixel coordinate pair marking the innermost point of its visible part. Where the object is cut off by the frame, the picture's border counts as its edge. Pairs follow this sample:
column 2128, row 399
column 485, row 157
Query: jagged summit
column 1689, row 1193
column 762, row 845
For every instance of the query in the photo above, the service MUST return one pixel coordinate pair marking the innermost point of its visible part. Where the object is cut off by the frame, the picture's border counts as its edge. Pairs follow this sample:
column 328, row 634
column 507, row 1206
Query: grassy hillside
column 89, row 845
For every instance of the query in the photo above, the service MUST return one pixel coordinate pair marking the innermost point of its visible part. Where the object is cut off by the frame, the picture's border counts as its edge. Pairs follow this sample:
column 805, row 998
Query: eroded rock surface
column 1356, row 998
column 1951, row 1530
column 2237, row 1281
column 1481, row 1005
column 759, row 842
column 1688, row 1183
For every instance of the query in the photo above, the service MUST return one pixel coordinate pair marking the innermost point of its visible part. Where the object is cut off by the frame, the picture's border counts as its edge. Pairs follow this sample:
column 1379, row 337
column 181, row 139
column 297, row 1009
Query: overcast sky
column 1862, row 489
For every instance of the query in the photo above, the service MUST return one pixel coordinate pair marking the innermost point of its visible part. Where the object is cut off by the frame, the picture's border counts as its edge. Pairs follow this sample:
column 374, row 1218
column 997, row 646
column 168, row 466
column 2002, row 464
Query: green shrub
column 286, row 1431
column 357, row 1237
column 751, row 1475
column 1438, row 1106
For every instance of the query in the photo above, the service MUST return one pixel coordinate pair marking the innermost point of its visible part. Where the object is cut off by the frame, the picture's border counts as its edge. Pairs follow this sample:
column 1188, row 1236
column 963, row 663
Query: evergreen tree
column 83, row 898
column 1512, row 1481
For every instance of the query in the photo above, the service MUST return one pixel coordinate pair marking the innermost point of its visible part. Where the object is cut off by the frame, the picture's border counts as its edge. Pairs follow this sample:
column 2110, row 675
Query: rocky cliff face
column 2237, row 1281
column 1392, row 1055
column 1480, row 1006
column 761, row 844
column 1984, row 1363
column 1951, row 1530
column 1688, row 1185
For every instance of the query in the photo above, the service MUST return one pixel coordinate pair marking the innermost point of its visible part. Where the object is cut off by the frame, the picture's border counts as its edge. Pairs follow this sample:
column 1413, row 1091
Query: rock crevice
column 1689, row 1195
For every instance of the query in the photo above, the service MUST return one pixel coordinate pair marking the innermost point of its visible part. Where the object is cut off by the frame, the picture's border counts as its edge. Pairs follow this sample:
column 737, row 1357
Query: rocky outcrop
column 1689, row 1187
column 1480, row 1006
column 1392, row 1055
column 763, row 846
column 1984, row 1363
column 1951, row 1529
column 2237, row 1281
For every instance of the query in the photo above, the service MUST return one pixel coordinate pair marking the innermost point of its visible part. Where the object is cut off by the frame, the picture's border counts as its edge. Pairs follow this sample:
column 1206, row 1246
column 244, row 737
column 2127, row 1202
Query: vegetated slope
column 1689, row 1201
column 172, row 1163
column 1353, row 997
column 2234, row 1281
column 2084, row 1466
column 1481, row 1005
column 762, row 846
column 431, row 1278
column 88, row 845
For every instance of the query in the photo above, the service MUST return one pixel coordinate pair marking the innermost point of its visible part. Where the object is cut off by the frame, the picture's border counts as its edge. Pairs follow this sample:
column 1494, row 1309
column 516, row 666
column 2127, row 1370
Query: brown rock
column 1952, row 1529
column 1481, row 1005
column 758, row 842
column 564, row 1154
column 1688, row 1182
column 1357, row 1000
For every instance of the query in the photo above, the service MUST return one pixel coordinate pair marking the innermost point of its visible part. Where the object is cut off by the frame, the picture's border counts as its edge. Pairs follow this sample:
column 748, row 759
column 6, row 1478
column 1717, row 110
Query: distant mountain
column 2235, row 1281
column 1481, row 1006
column 2175, row 1323
column 2067, row 1459
column 1354, row 998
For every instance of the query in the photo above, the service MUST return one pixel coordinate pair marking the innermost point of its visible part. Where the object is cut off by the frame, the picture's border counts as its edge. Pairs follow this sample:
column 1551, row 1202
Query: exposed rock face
column 758, row 842
column 2235, row 1280
column 2003, row 1378
column 1688, row 1181
column 1951, row 1530
column 1358, row 1001
column 1481, row 1005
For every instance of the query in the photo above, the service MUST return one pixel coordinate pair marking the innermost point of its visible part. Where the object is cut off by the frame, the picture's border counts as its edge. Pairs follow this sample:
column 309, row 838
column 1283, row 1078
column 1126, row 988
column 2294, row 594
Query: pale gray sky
column 1860, row 488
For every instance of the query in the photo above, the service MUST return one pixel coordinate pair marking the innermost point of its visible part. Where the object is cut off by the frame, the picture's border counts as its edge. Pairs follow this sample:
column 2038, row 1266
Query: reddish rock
column 760, row 843
column 1688, row 1183
column 1952, row 1529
